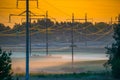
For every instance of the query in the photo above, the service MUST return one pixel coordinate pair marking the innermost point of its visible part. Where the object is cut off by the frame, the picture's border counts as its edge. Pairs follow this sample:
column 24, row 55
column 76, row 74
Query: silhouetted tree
column 43, row 23
column 101, row 25
column 114, row 52
column 5, row 65
column 19, row 27
column 3, row 27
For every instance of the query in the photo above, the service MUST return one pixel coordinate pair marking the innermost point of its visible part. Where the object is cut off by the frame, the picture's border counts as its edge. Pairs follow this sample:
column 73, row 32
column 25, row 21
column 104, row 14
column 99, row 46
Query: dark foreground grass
column 70, row 76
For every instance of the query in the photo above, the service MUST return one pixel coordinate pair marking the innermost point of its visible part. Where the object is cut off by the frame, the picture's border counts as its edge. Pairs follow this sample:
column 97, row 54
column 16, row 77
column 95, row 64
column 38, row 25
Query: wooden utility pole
column 30, row 39
column 72, row 40
column 46, row 18
column 27, row 40
column 72, row 35
column 86, row 20
column 119, row 19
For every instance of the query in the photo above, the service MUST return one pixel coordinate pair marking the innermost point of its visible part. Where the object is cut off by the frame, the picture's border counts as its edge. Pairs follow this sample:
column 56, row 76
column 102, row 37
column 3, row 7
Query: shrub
column 5, row 65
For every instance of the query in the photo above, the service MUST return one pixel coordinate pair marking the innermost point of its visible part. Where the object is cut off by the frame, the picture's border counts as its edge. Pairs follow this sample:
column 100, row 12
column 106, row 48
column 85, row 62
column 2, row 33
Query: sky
column 99, row 10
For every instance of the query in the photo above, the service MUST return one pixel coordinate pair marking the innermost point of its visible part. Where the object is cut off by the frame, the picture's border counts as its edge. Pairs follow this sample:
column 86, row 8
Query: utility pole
column 72, row 35
column 30, row 35
column 119, row 19
column 27, row 40
column 26, row 13
column 111, row 21
column 72, row 40
column 86, row 18
column 85, row 30
column 46, row 17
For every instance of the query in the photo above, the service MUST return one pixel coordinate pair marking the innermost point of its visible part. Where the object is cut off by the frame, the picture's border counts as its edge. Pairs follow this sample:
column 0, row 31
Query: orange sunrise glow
column 99, row 10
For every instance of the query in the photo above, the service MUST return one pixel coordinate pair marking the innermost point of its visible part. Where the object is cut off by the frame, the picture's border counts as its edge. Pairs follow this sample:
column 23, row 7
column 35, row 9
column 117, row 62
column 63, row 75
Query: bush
column 116, row 68
column 114, row 52
column 5, row 65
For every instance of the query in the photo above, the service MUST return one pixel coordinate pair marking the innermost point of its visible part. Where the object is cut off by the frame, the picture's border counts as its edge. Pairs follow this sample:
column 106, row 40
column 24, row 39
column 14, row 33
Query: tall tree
column 114, row 52
column 5, row 65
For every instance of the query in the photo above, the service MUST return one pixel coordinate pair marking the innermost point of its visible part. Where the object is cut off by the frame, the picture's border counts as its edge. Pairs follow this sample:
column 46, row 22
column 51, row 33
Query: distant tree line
column 41, row 24
column 86, row 31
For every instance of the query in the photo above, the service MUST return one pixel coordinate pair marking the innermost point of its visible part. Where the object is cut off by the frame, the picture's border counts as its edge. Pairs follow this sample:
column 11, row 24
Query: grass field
column 71, row 76
column 49, row 70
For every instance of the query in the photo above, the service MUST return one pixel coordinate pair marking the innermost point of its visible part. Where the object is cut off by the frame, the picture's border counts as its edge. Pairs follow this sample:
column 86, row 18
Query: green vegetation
column 5, row 65
column 41, row 24
column 82, row 31
column 69, row 76
column 114, row 52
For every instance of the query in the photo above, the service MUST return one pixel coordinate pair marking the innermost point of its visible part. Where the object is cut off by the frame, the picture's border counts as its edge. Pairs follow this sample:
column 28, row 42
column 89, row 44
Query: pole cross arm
column 85, row 19
column 81, row 19
column 23, row 14
column 17, row 2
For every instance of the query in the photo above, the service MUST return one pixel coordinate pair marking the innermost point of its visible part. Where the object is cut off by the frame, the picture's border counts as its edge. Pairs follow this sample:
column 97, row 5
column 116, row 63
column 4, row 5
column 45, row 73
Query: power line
column 85, row 19
column 7, row 8
column 57, row 9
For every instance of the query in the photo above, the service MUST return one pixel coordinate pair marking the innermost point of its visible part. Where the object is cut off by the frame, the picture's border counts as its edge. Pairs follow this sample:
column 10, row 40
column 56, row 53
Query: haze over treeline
column 57, row 32
column 51, row 24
